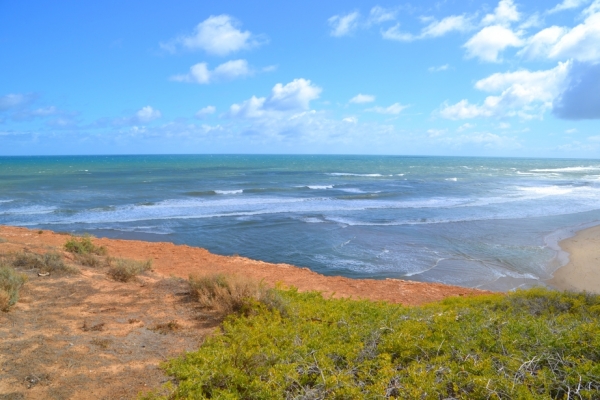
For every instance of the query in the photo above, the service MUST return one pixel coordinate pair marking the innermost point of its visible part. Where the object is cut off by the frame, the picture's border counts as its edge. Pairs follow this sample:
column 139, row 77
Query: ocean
column 490, row 223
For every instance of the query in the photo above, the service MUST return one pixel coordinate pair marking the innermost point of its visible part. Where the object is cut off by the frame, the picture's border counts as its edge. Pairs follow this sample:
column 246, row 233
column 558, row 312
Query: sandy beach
column 582, row 272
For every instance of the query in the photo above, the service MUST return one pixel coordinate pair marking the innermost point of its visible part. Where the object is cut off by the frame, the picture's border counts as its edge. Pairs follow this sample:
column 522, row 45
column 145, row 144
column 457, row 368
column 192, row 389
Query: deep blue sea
column 479, row 222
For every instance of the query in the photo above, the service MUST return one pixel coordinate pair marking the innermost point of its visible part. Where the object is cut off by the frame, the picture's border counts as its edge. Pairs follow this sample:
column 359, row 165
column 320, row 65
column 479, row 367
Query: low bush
column 535, row 344
column 10, row 284
column 90, row 260
column 50, row 262
column 123, row 270
column 84, row 245
column 233, row 294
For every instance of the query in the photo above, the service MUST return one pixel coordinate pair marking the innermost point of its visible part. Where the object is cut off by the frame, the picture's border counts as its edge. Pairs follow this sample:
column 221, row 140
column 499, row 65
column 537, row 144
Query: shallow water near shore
column 480, row 222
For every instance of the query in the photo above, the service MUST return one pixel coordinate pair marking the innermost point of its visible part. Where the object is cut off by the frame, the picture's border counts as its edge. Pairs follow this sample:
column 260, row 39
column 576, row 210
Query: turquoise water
column 479, row 222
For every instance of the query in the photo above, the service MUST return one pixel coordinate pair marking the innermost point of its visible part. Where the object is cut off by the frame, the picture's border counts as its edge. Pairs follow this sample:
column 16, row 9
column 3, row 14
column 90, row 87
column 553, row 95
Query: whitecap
column 229, row 191
column 567, row 169
column 320, row 187
column 351, row 174
column 451, row 179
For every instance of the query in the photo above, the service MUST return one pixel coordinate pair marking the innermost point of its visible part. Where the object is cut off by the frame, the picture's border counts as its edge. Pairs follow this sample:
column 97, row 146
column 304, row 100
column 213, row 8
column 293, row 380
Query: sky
column 458, row 78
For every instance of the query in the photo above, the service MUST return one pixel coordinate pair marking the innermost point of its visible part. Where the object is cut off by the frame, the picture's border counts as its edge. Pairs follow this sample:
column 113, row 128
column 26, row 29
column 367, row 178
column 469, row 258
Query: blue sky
column 507, row 78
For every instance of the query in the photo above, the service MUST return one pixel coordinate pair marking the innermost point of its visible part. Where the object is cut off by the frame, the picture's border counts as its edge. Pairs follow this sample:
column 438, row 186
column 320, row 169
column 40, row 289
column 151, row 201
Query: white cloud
column 435, row 28
column 522, row 93
column 582, row 42
column 199, row 73
column 490, row 41
column 540, row 44
column 294, row 96
column 342, row 25
column 351, row 120
column 379, row 14
column 458, row 23
column 433, row 133
column 439, row 69
column 219, row 35
column 203, row 112
column 394, row 109
column 464, row 127
column 504, row 14
column 362, row 98
column 578, row 43
column 14, row 100
column 567, row 5
column 571, row 131
column 147, row 114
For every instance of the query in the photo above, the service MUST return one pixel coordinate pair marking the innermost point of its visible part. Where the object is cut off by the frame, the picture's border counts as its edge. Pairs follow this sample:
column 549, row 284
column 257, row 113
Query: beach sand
column 583, row 269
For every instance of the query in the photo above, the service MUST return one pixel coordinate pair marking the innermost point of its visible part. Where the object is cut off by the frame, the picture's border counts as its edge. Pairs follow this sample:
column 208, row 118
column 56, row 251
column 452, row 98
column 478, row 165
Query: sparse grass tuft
column 49, row 262
column 2, row 240
column 123, row 270
column 84, row 245
column 233, row 294
column 90, row 260
column 10, row 284
column 167, row 327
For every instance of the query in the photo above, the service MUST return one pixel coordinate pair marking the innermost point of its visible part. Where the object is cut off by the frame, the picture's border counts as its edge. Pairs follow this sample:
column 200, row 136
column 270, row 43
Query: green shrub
column 123, row 270
column 535, row 344
column 233, row 294
column 50, row 262
column 84, row 245
column 10, row 284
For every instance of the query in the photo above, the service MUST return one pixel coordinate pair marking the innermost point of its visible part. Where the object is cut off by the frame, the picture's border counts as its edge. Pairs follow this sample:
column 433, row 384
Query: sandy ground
column 86, row 336
column 583, row 270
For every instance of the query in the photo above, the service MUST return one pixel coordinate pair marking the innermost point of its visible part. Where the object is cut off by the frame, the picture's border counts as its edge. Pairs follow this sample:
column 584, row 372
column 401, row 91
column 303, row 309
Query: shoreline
column 582, row 269
column 169, row 259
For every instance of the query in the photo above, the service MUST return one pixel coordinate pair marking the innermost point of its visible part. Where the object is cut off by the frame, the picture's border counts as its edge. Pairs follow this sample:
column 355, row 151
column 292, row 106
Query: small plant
column 10, row 284
column 84, row 245
column 49, row 262
column 167, row 327
column 232, row 294
column 2, row 240
column 90, row 260
column 123, row 270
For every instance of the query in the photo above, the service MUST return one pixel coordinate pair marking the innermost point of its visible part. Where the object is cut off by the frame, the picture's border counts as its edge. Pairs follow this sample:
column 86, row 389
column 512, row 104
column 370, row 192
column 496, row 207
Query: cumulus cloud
column 293, row 96
column 147, row 114
column 362, row 98
column 394, row 109
column 578, row 43
column 219, row 35
column 343, row 25
column 142, row 116
column 505, row 13
column 580, row 98
column 523, row 93
column 204, row 112
column 201, row 74
column 488, row 43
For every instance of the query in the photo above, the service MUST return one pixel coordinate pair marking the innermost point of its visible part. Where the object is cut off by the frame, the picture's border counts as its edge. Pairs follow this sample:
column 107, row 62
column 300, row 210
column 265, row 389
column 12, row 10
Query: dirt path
column 87, row 337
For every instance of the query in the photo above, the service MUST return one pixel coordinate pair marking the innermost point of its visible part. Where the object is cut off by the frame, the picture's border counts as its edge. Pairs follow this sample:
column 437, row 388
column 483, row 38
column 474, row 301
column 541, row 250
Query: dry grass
column 123, row 270
column 232, row 294
column 165, row 328
column 90, row 260
column 10, row 284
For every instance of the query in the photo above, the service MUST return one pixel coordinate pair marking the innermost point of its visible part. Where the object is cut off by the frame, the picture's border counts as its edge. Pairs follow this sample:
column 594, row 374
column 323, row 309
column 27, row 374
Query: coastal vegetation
column 124, row 270
column 530, row 344
column 10, row 284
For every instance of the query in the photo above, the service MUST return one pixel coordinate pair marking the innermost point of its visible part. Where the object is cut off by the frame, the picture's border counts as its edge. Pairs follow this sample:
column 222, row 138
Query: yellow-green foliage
column 123, row 269
column 84, row 245
column 233, row 294
column 10, row 284
column 535, row 344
